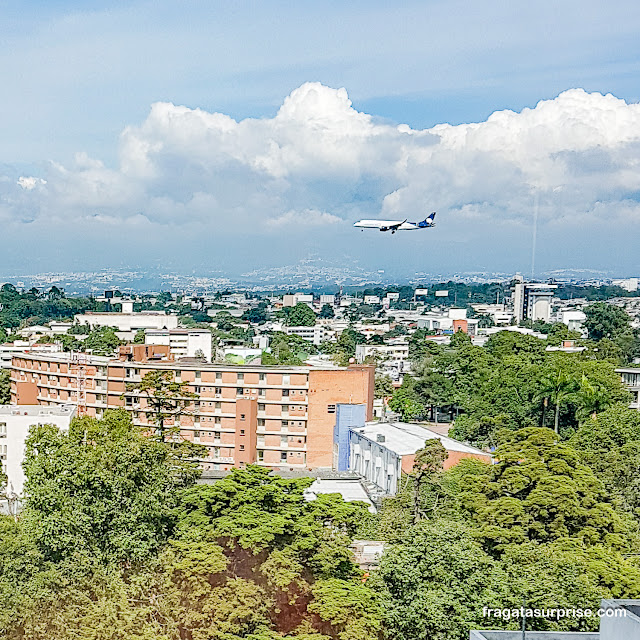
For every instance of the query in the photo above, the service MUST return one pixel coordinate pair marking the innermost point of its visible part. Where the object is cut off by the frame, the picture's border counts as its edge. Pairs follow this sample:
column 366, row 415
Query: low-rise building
column 128, row 324
column 631, row 379
column 396, row 353
column 9, row 349
column 380, row 452
column 182, row 343
column 313, row 334
column 15, row 422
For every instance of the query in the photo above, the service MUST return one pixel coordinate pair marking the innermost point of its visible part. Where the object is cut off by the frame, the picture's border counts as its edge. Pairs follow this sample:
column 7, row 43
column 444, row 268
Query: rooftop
column 350, row 489
column 36, row 410
column 405, row 438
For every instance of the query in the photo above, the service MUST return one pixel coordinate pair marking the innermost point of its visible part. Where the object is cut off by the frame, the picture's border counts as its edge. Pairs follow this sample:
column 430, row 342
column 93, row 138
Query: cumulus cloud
column 319, row 161
column 29, row 182
column 306, row 218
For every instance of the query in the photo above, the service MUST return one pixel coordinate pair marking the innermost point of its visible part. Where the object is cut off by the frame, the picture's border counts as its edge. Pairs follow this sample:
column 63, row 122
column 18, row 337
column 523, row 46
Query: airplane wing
column 383, row 225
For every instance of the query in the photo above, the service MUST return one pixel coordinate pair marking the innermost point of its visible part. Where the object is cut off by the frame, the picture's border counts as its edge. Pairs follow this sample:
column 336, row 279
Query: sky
column 230, row 136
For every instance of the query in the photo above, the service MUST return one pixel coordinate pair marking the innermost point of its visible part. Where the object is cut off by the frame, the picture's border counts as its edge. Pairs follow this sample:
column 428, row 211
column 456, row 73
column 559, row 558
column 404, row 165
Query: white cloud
column 306, row 218
column 29, row 183
column 319, row 161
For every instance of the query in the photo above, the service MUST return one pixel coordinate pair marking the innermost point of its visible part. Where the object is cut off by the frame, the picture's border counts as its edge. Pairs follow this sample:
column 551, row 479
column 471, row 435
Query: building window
column 262, row 377
column 283, row 456
column 260, row 407
column 196, row 389
column 285, row 423
column 240, row 377
column 216, row 420
column 261, row 393
column 241, row 432
column 331, row 408
column 218, row 375
column 241, row 447
column 242, row 416
column 261, row 422
column 3, row 429
column 218, row 390
column 196, row 434
column 239, row 391
column 286, row 379
column 285, row 393
column 198, row 375
column 260, row 455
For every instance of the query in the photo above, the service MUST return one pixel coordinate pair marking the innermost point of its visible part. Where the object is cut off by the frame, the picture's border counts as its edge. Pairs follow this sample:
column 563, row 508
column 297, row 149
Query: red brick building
column 276, row 416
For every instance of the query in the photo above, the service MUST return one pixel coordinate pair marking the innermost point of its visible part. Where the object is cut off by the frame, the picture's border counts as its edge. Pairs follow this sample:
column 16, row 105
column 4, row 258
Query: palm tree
column 555, row 387
column 592, row 398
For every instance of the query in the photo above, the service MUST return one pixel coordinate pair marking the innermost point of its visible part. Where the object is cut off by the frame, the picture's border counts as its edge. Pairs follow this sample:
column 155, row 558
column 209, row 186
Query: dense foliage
column 116, row 541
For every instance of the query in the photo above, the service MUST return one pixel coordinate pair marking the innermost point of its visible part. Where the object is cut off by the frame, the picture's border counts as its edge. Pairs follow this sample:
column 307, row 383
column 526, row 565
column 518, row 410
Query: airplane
column 397, row 225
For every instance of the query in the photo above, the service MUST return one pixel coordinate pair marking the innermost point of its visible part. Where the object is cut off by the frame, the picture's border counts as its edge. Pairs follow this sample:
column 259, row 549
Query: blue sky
column 80, row 79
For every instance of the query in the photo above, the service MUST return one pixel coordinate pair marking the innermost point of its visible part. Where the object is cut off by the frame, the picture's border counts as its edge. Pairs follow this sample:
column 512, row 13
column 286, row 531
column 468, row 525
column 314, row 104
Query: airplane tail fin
column 428, row 221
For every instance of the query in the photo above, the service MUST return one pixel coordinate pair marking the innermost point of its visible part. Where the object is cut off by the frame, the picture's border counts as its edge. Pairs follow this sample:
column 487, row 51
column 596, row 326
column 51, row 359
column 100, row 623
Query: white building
column 532, row 301
column 128, row 324
column 372, row 299
column 573, row 318
column 313, row 334
column 9, row 349
column 397, row 353
column 182, row 343
column 628, row 284
column 15, row 422
column 380, row 451
column 327, row 299
column 291, row 300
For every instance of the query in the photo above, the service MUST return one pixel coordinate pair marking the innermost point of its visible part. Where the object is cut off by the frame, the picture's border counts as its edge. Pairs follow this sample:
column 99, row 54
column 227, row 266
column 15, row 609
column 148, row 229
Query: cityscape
column 240, row 401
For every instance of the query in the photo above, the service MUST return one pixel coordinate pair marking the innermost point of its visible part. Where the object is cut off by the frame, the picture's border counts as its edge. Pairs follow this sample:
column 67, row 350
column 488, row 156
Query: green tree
column 383, row 386
column 538, row 490
column 428, row 463
column 604, row 320
column 5, row 387
column 102, row 341
column 166, row 398
column 557, row 384
column 101, row 490
column 326, row 311
column 436, row 583
column 301, row 315
column 139, row 337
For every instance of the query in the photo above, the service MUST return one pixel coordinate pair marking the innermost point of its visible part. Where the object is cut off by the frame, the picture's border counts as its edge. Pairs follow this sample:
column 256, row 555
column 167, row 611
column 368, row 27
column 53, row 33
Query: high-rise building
column 532, row 300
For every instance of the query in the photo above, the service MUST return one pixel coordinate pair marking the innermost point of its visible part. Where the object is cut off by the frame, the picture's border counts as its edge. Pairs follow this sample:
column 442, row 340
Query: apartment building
column 273, row 416
column 15, row 422
column 182, row 343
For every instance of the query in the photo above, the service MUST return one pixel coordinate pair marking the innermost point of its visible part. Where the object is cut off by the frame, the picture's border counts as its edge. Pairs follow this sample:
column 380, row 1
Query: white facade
column 628, row 284
column 532, row 301
column 573, row 318
column 9, row 349
column 182, row 343
column 327, row 299
column 377, row 449
column 15, row 422
column 372, row 299
column 397, row 353
column 313, row 334
column 128, row 324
